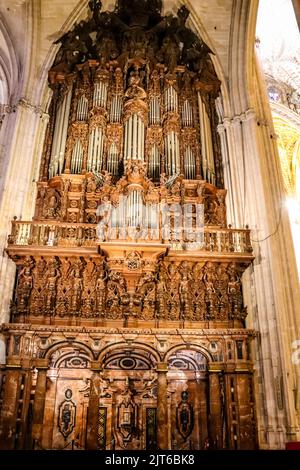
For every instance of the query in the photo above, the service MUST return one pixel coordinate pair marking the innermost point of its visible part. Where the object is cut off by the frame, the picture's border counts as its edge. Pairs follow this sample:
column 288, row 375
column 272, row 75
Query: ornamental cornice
column 21, row 327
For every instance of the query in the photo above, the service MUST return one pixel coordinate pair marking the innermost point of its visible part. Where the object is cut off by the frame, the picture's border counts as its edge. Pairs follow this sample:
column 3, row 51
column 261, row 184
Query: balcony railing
column 58, row 234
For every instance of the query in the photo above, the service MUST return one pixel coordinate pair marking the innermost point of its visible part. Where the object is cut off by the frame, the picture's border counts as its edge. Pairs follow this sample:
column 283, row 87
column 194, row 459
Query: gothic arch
column 9, row 68
column 242, row 41
column 78, row 13
column 203, row 33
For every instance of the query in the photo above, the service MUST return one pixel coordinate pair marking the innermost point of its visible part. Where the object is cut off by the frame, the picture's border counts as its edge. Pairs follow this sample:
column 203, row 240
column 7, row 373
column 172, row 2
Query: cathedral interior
column 149, row 286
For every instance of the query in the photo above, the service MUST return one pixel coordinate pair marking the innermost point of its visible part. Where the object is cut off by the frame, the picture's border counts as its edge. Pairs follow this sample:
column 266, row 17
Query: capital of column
column 24, row 103
column 13, row 362
column 41, row 363
column 215, row 367
column 95, row 366
column 162, row 367
column 221, row 128
column 236, row 120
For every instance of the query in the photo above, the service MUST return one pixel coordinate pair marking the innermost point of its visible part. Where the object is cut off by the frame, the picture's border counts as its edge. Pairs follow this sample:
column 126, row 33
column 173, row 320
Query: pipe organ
column 128, row 282
column 135, row 99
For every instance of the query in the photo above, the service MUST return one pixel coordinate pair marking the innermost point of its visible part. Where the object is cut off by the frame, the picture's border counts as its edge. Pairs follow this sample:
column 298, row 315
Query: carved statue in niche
column 87, row 304
column 38, row 291
column 106, row 182
column 154, row 83
column 169, row 53
column 163, row 190
column 91, row 185
column 222, row 291
column 40, row 202
column 177, row 186
column 173, row 292
column 88, row 298
column 235, row 292
column 221, row 208
column 201, row 192
column 198, row 291
column 77, row 287
column 101, row 291
column 51, row 204
column 161, row 290
column 147, row 292
column 25, row 283
column 52, row 274
column 64, row 200
column 116, row 292
column 210, row 294
column 135, row 90
column 210, row 217
column 104, row 215
column 81, row 208
column 184, row 291
column 63, row 296
column 184, row 296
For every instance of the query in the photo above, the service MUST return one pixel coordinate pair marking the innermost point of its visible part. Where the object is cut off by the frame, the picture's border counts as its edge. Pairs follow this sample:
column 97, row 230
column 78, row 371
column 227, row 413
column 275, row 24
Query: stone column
column 215, row 407
column 162, row 406
column 93, row 409
column 39, row 402
column 29, row 124
column 9, row 405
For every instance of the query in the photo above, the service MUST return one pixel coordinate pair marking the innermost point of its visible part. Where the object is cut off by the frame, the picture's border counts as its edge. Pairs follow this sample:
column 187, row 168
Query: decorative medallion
column 67, row 415
column 185, row 416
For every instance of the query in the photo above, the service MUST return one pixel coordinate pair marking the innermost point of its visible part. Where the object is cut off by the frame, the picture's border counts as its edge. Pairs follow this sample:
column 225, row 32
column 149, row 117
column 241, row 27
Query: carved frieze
column 136, row 284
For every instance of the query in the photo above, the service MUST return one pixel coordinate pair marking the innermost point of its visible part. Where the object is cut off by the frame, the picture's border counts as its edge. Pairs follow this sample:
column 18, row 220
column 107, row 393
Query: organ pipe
column 154, row 111
column 115, row 113
column 112, row 160
column 100, row 94
column 189, row 163
column 95, row 152
column 208, row 165
column 172, row 153
column 171, row 99
column 134, row 138
column 82, row 109
column 187, row 114
column 77, row 158
column 60, row 136
column 154, row 163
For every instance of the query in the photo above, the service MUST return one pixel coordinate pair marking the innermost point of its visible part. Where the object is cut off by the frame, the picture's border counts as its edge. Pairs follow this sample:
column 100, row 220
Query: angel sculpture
column 171, row 180
column 101, row 178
